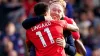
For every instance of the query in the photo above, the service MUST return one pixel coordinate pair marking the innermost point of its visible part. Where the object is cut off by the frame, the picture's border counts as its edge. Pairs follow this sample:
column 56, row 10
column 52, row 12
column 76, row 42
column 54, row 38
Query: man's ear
column 45, row 14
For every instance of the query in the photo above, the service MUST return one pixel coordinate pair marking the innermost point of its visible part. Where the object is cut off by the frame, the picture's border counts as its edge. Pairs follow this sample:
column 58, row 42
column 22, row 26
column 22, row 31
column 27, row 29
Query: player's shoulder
column 58, row 21
column 69, row 20
column 29, row 30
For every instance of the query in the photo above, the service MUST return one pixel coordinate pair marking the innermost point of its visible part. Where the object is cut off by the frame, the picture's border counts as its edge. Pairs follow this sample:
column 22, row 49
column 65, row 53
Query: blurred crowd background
column 86, row 14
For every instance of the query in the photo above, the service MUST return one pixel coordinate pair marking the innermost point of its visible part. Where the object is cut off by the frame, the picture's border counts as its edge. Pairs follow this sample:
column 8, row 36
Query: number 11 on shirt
column 42, row 38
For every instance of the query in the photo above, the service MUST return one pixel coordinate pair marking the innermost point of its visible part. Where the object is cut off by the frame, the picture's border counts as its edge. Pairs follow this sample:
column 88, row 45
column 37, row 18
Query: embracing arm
column 69, row 26
column 72, row 27
column 76, row 35
column 32, row 51
column 70, row 47
column 80, row 47
column 30, row 47
column 28, row 23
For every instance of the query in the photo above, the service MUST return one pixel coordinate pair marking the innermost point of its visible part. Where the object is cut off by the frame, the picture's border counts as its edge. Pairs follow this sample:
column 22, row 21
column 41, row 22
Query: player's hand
column 48, row 18
column 61, row 42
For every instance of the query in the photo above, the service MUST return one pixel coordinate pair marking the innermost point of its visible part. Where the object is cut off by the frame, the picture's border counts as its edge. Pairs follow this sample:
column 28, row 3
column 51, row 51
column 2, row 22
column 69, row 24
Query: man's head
column 41, row 8
column 56, row 10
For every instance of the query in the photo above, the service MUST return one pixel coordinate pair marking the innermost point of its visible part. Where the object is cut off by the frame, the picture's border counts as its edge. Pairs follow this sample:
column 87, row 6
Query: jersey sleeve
column 68, row 20
column 27, row 39
column 75, row 35
column 64, row 24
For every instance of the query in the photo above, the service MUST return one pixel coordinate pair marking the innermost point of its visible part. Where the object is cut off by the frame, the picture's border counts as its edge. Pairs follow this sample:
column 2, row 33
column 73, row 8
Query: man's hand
column 61, row 42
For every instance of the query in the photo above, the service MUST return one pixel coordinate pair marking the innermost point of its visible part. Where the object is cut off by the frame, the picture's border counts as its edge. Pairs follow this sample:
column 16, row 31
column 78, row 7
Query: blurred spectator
column 13, row 3
column 9, row 49
column 19, row 28
column 8, row 46
column 14, row 15
column 94, row 20
column 90, row 15
column 97, row 37
column 96, row 3
column 4, row 10
column 12, row 53
column 97, row 11
column 93, row 38
column 89, row 40
column 84, row 24
column 88, row 4
column 28, row 6
column 2, row 47
column 13, row 37
column 96, row 52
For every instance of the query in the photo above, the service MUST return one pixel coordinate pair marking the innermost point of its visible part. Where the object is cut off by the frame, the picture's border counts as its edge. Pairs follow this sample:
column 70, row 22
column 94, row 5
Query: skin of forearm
column 72, row 27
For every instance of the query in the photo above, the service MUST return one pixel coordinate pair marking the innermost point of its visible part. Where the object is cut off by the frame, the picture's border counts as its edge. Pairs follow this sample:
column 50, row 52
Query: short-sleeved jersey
column 44, row 35
column 75, row 35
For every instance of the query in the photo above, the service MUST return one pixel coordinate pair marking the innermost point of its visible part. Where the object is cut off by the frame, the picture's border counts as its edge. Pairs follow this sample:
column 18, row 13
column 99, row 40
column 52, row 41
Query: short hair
column 61, row 2
column 41, row 8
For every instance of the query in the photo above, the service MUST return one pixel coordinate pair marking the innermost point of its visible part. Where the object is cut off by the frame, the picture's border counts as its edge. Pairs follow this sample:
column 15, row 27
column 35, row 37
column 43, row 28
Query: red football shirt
column 44, row 35
column 75, row 35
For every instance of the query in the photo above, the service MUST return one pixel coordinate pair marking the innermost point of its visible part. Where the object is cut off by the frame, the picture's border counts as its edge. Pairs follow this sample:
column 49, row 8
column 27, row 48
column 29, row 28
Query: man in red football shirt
column 46, row 32
column 56, row 14
column 54, row 7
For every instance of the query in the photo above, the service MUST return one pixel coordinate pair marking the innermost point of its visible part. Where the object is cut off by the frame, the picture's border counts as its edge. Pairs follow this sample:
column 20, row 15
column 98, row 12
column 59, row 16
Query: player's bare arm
column 74, row 22
column 79, row 45
column 72, row 27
